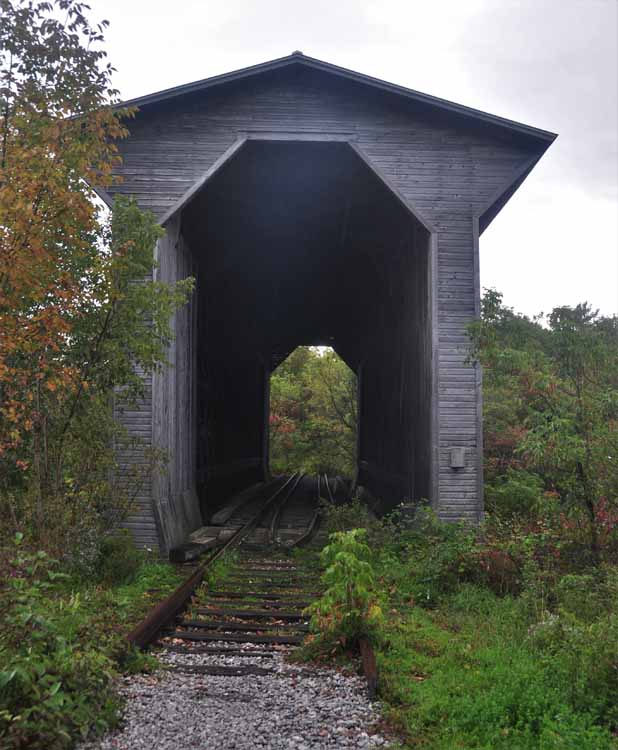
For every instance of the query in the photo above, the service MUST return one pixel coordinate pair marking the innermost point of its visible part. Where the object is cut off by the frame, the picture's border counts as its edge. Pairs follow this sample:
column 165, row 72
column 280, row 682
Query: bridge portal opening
column 313, row 414
column 302, row 242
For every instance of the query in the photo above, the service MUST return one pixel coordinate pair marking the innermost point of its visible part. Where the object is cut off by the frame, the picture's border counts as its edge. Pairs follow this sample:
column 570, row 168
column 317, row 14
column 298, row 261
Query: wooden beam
column 225, row 157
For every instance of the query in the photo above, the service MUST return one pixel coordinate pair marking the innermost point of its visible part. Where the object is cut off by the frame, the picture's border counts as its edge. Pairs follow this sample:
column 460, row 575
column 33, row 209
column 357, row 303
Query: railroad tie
column 257, row 614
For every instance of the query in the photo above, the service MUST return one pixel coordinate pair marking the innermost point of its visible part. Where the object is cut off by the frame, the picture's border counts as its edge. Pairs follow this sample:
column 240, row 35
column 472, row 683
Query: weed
column 61, row 645
column 119, row 560
column 526, row 662
column 352, row 515
column 349, row 609
column 49, row 692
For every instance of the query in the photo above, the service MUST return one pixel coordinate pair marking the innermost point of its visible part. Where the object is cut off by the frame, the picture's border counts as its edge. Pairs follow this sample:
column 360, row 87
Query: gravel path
column 295, row 707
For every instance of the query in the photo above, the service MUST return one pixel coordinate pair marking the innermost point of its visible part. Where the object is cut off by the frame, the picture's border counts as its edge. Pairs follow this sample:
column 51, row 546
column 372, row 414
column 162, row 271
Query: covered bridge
column 316, row 205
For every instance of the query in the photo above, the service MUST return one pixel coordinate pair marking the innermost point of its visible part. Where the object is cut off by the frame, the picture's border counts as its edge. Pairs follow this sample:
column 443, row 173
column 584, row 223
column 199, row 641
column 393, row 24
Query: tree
column 334, row 393
column 313, row 413
column 78, row 314
column 557, row 379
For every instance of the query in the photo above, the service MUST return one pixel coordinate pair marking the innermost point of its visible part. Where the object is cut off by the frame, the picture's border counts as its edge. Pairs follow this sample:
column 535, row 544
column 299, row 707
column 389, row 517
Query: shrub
column 582, row 596
column 48, row 699
column 50, row 691
column 119, row 560
column 530, row 554
column 351, row 515
column 444, row 557
column 348, row 610
column 514, row 493
column 497, row 570
column 83, row 541
column 389, row 531
column 582, row 661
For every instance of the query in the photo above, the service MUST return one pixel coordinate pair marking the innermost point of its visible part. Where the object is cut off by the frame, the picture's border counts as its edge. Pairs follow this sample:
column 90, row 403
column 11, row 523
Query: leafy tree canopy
column 313, row 413
column 79, row 313
column 551, row 403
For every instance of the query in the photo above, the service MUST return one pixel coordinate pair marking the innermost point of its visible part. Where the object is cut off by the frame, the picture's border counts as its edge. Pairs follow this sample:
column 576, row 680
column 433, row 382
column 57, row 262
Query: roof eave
column 300, row 59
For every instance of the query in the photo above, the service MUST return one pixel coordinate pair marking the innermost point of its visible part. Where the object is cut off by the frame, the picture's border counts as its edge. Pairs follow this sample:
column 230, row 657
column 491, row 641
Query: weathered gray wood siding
column 450, row 170
column 134, row 476
column 174, row 430
column 162, row 424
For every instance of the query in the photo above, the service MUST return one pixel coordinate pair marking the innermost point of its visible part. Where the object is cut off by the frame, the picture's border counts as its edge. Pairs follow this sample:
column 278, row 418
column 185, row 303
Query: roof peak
column 297, row 57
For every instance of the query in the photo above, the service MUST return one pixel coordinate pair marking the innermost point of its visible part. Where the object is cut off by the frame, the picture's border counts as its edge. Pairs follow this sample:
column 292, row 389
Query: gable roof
column 298, row 58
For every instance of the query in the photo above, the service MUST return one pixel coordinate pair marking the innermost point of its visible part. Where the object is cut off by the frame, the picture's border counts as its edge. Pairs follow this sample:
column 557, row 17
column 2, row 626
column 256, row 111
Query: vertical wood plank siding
column 448, row 169
column 174, row 497
column 137, row 421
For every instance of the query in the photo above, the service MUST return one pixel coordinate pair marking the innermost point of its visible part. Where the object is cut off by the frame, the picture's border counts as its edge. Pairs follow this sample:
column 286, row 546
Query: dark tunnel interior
column 296, row 243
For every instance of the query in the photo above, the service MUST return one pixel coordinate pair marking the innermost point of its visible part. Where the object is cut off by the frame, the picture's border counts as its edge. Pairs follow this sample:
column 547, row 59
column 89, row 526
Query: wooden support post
column 370, row 667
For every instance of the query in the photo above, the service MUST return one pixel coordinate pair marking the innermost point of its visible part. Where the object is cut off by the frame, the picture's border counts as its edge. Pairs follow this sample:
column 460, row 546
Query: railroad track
column 257, row 608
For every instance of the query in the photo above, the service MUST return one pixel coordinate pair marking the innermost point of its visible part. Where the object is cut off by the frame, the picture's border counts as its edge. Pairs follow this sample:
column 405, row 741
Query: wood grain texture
column 449, row 170
column 174, row 494
column 134, row 476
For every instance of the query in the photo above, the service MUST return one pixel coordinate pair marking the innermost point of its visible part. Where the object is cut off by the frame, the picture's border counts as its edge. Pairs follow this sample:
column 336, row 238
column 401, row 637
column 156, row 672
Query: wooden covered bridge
column 316, row 205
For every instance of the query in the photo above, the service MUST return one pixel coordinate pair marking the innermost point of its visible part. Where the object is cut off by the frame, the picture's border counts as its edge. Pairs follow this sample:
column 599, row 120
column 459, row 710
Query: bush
column 83, row 541
column 119, row 560
column 50, row 691
column 348, row 609
column 583, row 596
column 582, row 661
column 444, row 556
column 48, row 699
column 514, row 493
column 351, row 515
column 498, row 570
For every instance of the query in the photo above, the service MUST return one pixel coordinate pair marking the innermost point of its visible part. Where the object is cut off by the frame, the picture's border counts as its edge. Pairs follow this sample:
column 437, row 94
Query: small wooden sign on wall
column 458, row 458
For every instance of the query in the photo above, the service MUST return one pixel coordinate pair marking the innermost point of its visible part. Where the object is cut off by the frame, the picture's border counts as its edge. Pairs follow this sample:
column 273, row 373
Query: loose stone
column 291, row 708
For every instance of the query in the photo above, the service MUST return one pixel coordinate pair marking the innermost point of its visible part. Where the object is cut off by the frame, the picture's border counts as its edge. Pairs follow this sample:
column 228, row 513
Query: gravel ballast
column 295, row 707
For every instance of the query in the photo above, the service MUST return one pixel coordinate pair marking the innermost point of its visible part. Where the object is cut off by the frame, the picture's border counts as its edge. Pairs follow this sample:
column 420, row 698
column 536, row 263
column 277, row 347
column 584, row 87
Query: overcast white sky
column 549, row 63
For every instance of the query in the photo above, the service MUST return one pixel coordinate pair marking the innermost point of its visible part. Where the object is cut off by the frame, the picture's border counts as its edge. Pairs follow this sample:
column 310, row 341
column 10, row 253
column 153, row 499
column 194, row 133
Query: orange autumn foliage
column 57, row 131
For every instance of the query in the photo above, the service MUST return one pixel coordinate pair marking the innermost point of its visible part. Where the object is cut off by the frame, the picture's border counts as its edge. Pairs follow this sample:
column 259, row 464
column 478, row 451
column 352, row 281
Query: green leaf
column 55, row 688
column 6, row 677
column 55, row 701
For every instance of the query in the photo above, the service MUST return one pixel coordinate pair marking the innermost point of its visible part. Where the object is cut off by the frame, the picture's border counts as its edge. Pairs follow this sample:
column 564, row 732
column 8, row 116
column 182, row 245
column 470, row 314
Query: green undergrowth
column 348, row 609
column 472, row 674
column 214, row 577
column 483, row 651
column 62, row 643
column 230, row 574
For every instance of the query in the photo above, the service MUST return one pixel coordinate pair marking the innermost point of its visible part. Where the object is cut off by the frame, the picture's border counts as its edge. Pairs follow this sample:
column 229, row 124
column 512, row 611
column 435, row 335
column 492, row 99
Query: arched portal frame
column 175, row 390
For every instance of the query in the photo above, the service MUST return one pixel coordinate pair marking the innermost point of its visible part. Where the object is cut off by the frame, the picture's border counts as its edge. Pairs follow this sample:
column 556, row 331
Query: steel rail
column 314, row 523
column 276, row 519
column 331, row 498
column 163, row 613
column 310, row 531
